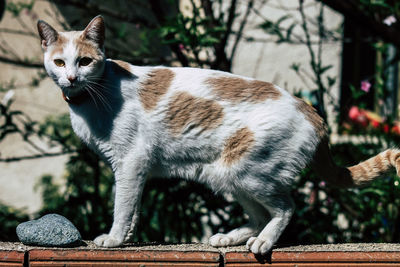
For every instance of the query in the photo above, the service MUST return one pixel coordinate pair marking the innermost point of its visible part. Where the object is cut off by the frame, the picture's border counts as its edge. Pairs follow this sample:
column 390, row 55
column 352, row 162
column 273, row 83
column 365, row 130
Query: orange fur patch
column 186, row 110
column 87, row 48
column 122, row 64
column 238, row 89
column 359, row 173
column 154, row 87
column 312, row 116
column 58, row 45
column 122, row 68
column 237, row 145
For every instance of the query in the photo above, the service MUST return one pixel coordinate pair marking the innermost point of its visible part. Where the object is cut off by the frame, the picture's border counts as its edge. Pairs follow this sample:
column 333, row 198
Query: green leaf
column 281, row 19
column 295, row 66
column 356, row 93
column 375, row 191
column 266, row 25
column 324, row 69
column 289, row 31
column 331, row 81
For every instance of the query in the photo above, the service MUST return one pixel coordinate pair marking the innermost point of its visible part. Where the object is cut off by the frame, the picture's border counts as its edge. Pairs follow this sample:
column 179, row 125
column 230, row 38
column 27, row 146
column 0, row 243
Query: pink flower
column 354, row 112
column 181, row 47
column 389, row 20
column 365, row 86
column 358, row 115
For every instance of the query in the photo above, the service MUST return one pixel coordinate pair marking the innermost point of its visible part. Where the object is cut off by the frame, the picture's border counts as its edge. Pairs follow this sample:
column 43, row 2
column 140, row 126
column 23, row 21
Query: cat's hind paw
column 107, row 241
column 220, row 240
column 258, row 246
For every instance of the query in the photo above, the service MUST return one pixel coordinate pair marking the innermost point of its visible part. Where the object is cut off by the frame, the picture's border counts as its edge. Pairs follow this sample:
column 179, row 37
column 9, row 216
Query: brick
column 12, row 258
column 70, row 257
column 335, row 258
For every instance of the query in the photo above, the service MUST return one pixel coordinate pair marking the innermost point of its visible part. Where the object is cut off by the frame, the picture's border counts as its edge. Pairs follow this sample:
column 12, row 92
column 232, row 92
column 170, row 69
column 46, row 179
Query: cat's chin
column 72, row 91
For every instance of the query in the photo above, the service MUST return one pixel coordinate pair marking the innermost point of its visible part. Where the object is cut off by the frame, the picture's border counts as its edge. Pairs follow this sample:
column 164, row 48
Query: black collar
column 78, row 99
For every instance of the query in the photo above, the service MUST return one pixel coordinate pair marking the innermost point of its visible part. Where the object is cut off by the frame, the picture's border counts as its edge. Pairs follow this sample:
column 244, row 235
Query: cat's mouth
column 75, row 84
column 73, row 87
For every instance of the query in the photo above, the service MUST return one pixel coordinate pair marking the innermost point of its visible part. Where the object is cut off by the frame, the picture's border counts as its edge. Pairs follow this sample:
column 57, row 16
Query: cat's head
column 75, row 59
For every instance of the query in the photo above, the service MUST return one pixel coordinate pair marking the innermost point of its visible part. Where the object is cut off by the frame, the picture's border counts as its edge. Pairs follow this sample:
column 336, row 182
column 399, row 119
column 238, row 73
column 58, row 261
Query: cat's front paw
column 258, row 246
column 105, row 240
column 221, row 240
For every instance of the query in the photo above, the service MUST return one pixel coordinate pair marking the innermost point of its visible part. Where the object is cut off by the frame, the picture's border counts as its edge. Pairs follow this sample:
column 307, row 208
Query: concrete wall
column 17, row 179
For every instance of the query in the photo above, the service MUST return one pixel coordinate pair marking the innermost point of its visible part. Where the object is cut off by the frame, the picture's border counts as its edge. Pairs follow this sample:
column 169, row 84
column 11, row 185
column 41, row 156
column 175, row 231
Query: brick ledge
column 16, row 254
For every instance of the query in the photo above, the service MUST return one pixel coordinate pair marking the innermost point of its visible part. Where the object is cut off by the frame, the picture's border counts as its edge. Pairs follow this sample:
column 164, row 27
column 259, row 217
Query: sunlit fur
column 238, row 136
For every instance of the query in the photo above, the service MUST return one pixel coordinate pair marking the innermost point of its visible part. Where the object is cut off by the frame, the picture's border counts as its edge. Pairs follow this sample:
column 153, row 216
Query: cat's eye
column 59, row 62
column 85, row 61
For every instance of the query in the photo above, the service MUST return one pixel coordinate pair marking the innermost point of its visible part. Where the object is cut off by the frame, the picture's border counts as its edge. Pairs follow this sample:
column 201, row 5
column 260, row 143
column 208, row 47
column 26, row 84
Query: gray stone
column 51, row 230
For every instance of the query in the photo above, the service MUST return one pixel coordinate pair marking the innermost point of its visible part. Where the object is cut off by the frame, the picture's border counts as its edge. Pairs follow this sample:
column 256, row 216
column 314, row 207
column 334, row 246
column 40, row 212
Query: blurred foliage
column 9, row 219
column 328, row 214
column 182, row 211
column 380, row 9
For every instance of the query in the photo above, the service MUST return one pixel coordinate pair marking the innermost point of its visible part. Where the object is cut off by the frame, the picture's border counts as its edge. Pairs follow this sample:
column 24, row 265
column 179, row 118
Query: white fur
column 138, row 144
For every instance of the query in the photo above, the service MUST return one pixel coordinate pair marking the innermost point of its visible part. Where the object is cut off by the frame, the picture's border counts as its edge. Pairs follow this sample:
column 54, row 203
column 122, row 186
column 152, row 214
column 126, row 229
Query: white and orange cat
column 235, row 134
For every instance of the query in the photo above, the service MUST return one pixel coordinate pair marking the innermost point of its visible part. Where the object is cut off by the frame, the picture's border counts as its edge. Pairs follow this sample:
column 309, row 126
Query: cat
column 237, row 135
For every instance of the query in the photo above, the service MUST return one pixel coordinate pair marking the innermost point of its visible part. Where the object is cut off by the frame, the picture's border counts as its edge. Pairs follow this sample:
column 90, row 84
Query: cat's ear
column 48, row 35
column 95, row 31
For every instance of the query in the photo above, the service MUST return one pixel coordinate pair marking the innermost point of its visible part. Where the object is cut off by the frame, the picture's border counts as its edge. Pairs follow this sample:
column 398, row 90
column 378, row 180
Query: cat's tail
column 357, row 175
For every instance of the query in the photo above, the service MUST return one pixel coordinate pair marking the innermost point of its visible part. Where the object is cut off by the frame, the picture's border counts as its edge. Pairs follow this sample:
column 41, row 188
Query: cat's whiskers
column 103, row 83
column 102, row 91
column 98, row 93
column 92, row 96
column 104, row 88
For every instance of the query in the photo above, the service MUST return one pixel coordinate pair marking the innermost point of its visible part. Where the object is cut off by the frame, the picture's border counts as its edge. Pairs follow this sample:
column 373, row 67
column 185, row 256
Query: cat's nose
column 71, row 79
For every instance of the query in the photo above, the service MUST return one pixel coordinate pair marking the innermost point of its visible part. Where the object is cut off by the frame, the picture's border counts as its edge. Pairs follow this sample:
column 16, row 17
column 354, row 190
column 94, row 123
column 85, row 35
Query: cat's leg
column 258, row 215
column 129, row 183
column 281, row 211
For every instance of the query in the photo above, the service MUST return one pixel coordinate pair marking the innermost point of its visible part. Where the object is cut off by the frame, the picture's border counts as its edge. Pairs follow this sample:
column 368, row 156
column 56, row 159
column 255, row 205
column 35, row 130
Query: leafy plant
column 9, row 219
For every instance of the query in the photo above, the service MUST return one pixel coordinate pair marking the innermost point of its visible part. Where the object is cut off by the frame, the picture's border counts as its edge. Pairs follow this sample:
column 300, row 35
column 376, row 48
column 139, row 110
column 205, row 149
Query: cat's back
column 156, row 84
column 200, row 101
column 176, row 96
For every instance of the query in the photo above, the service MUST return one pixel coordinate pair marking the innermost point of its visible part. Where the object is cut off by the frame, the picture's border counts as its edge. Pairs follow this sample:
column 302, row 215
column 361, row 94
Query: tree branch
column 25, row 33
column 315, row 64
column 241, row 27
column 207, row 6
column 36, row 156
column 221, row 60
column 21, row 63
